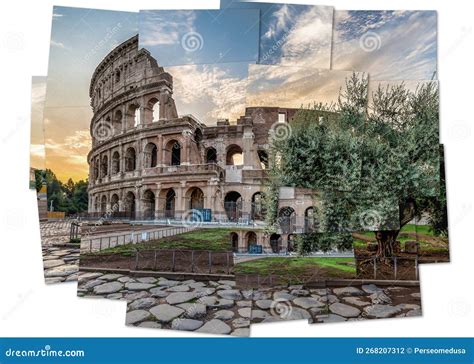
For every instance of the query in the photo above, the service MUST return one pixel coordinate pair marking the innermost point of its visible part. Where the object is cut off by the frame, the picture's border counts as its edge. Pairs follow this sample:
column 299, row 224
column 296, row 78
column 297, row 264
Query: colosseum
column 151, row 165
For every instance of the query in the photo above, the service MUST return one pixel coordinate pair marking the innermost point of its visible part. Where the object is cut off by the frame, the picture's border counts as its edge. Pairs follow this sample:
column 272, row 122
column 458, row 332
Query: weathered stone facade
column 148, row 163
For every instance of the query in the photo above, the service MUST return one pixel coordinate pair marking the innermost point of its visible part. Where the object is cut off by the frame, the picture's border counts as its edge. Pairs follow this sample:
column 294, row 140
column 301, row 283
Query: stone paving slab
column 179, row 305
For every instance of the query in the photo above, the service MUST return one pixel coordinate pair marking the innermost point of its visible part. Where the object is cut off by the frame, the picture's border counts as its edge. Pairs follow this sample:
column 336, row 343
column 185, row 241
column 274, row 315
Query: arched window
column 96, row 168
column 115, row 162
column 130, row 160
column 170, row 203
column 117, row 122
column 130, row 204
column 133, row 115
column 286, row 219
column 117, row 77
column 309, row 219
column 251, row 239
column 234, row 240
column 114, row 203
column 233, row 205
column 234, row 156
column 211, row 155
column 103, row 204
column 173, row 151
column 196, row 198
column 263, row 157
column 258, row 208
column 151, row 153
column 104, row 167
column 149, row 204
column 154, row 106
column 275, row 243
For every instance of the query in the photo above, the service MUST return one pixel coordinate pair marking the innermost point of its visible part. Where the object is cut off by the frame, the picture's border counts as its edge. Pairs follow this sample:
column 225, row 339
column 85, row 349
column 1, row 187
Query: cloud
column 298, row 35
column 404, row 43
column 210, row 92
column 58, row 44
column 165, row 27
column 293, row 87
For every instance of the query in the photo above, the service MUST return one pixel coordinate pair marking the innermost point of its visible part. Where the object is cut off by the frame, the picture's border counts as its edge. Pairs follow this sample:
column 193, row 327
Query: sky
column 293, row 87
column 292, row 34
column 38, row 94
column 389, row 45
column 184, row 37
column 80, row 39
column 211, row 91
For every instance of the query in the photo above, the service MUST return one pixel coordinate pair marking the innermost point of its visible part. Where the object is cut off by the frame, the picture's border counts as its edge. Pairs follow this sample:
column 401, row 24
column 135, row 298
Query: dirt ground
column 185, row 261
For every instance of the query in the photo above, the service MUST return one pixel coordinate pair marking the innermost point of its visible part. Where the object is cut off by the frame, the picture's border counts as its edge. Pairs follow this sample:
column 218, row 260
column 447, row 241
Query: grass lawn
column 202, row 239
column 331, row 267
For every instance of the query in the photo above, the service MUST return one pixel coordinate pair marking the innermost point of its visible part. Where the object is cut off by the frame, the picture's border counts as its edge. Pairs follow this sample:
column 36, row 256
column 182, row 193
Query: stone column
column 159, row 151
column 248, row 149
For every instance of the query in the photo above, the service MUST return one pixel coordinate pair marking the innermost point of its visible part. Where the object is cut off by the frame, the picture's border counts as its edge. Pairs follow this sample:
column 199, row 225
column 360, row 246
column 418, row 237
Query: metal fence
column 182, row 260
column 95, row 244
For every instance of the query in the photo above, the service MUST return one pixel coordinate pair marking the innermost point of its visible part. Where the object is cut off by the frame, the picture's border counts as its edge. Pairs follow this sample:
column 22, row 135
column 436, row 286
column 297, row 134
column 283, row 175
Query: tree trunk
column 386, row 241
column 386, row 238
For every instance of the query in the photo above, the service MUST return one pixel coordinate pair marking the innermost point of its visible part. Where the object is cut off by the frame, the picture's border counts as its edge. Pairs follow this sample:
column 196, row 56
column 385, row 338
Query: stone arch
column 275, row 243
column 234, row 241
column 234, row 155
column 309, row 219
column 150, row 155
column 198, row 135
column 114, row 203
column 96, row 204
column 258, row 208
column 104, row 166
column 95, row 166
column 148, row 204
column 211, row 155
column 115, row 162
column 168, row 201
column 233, row 205
column 250, row 239
column 117, row 122
column 130, row 160
column 286, row 219
column 263, row 157
column 133, row 115
column 103, row 204
column 195, row 198
column 154, row 107
column 173, row 152
column 130, row 204
column 291, row 243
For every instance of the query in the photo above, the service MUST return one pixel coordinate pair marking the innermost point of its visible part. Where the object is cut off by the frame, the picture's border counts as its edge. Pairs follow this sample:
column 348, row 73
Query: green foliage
column 378, row 168
column 323, row 242
column 70, row 197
